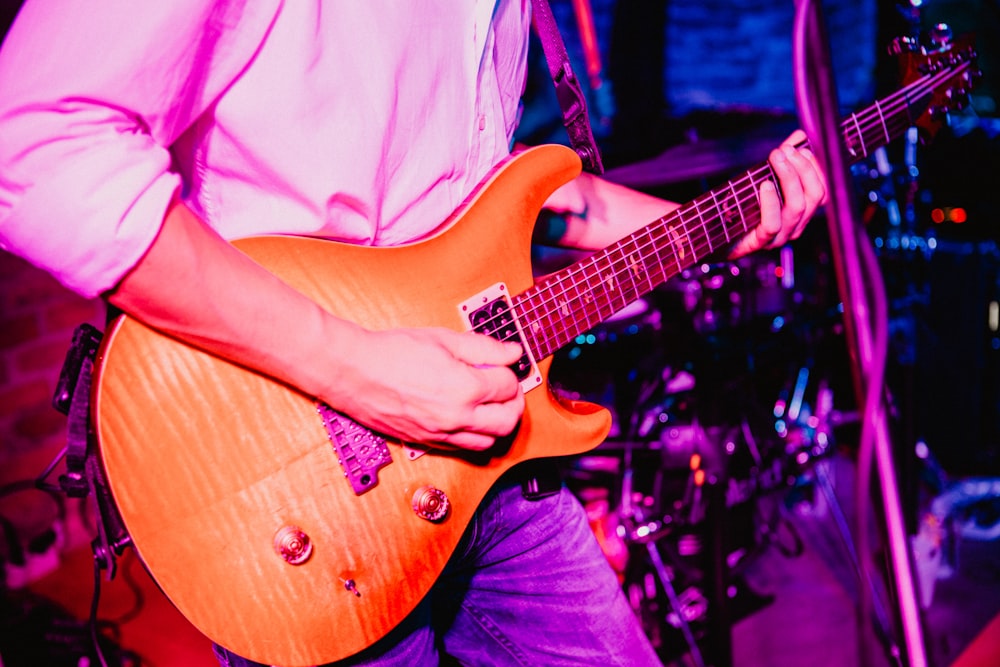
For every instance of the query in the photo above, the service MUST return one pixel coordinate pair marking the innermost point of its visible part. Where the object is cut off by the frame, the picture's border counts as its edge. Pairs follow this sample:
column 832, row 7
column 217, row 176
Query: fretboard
column 575, row 299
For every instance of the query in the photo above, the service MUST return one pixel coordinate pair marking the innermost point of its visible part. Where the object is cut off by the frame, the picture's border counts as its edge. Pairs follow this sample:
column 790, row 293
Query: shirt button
column 482, row 123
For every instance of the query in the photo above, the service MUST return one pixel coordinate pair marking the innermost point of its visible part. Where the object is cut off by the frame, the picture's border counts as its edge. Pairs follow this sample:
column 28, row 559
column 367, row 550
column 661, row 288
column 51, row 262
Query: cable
column 139, row 598
column 92, row 620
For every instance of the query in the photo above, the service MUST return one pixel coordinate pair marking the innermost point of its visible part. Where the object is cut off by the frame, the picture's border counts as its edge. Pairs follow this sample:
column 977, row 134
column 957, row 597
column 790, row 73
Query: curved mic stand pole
column 818, row 113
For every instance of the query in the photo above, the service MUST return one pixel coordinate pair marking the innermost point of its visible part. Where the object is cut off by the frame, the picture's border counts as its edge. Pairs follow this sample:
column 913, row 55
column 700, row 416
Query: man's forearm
column 197, row 287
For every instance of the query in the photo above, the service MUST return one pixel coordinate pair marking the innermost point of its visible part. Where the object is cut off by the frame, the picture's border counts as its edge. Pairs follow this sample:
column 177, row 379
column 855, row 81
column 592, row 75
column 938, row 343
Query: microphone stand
column 818, row 112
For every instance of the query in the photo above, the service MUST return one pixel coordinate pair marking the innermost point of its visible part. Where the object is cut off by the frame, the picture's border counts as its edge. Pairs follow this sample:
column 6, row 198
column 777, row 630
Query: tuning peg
column 939, row 37
column 901, row 45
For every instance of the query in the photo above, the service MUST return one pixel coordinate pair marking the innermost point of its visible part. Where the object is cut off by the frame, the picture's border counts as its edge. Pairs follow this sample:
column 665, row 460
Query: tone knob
column 431, row 503
column 293, row 545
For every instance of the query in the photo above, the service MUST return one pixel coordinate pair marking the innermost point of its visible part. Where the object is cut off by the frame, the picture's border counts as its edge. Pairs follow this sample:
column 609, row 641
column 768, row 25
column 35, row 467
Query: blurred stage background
column 737, row 373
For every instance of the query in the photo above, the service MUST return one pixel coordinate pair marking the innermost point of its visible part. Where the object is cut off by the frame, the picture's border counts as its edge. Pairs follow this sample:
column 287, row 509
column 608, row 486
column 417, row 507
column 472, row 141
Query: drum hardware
column 807, row 431
column 755, row 288
column 649, row 494
column 676, row 495
column 655, row 520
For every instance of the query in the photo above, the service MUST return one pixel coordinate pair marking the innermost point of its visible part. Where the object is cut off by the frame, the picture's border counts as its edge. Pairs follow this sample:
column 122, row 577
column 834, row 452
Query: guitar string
column 892, row 104
column 687, row 218
column 875, row 126
column 880, row 127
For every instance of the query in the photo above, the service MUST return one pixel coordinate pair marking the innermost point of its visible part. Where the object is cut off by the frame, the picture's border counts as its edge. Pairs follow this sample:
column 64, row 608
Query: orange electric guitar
column 292, row 535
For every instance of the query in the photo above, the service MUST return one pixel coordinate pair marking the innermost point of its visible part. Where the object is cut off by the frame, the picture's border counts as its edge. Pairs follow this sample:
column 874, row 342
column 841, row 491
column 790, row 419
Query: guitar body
column 208, row 461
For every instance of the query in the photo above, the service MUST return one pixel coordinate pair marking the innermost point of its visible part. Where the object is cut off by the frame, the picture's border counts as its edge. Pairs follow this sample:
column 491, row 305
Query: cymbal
column 705, row 158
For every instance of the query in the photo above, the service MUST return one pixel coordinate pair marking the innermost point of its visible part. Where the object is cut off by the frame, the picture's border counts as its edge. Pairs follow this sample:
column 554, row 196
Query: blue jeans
column 527, row 585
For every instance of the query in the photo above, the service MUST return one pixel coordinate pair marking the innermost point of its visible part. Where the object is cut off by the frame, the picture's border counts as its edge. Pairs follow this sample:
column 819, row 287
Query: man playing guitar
column 138, row 140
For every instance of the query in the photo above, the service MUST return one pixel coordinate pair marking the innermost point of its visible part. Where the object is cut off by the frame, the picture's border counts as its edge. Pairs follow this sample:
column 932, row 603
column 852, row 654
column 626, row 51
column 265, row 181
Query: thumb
column 481, row 350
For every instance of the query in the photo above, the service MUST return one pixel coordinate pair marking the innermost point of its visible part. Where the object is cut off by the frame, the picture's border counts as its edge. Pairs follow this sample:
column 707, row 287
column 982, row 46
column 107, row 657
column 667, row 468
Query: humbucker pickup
column 490, row 313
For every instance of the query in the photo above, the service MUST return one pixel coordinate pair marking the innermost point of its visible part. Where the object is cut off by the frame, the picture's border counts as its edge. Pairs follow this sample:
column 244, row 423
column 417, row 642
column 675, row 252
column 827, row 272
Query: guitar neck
column 572, row 301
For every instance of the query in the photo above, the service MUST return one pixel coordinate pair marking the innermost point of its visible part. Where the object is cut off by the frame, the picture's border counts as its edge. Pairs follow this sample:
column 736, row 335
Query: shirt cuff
column 89, row 220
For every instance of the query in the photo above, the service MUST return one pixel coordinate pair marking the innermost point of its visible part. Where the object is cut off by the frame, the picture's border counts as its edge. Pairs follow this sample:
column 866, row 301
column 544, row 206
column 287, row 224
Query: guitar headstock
column 950, row 62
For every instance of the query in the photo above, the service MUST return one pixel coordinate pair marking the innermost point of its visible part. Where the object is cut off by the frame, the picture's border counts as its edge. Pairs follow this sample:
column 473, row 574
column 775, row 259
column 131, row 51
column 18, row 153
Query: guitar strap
column 568, row 89
column 84, row 475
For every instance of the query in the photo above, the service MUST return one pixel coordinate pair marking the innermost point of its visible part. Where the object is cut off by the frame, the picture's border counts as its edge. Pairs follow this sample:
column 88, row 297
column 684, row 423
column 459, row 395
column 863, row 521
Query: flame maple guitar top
column 208, row 461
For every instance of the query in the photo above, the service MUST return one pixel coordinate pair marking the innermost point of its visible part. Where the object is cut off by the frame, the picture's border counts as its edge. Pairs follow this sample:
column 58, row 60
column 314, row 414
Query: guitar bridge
column 490, row 312
column 360, row 451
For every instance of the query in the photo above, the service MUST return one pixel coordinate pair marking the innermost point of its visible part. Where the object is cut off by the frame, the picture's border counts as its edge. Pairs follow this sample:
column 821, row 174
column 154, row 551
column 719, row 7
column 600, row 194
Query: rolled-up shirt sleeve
column 92, row 96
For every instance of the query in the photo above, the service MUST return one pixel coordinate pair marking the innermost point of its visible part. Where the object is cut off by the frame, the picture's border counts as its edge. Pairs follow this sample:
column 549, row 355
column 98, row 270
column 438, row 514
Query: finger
column 770, row 216
column 498, row 419
column 812, row 187
column 787, row 163
column 813, row 181
column 770, row 222
column 795, row 138
column 490, row 421
column 476, row 442
column 498, row 384
column 481, row 350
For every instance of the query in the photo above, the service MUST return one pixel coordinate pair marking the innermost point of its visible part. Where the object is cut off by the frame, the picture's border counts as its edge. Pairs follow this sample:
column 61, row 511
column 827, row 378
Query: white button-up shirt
column 366, row 121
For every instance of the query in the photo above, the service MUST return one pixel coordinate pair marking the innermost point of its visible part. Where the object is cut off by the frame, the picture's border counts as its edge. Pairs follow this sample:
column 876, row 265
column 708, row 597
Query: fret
column 543, row 323
column 663, row 243
column 579, row 297
column 586, row 298
column 654, row 262
column 575, row 288
column 885, row 128
column 563, row 309
column 635, row 268
column 739, row 207
column 724, row 215
column 575, row 304
column 643, row 255
column 671, row 239
column 649, row 255
column 618, row 261
column 861, row 136
column 526, row 311
column 594, row 281
column 542, row 318
column 611, row 276
column 769, row 175
column 704, row 227
column 872, row 134
column 611, row 282
column 536, row 333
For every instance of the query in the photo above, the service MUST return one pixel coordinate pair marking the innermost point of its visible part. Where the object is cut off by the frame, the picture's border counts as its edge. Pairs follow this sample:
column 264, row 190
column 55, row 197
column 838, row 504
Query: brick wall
column 739, row 52
column 37, row 319
column 671, row 60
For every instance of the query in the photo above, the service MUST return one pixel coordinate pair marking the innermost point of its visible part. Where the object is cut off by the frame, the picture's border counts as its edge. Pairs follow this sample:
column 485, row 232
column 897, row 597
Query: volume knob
column 293, row 545
column 431, row 503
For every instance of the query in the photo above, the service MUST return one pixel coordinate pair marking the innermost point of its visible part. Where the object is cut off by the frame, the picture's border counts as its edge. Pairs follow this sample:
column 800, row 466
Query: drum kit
column 721, row 392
